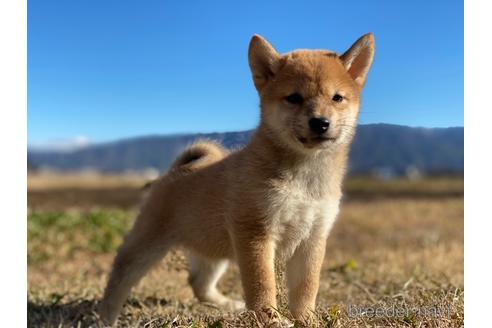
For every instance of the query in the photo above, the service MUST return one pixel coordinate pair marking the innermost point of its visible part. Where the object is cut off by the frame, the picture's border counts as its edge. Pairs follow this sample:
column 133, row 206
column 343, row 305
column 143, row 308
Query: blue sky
column 105, row 70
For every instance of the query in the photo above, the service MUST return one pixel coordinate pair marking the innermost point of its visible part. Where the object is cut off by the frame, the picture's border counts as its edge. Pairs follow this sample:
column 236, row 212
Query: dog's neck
column 319, row 169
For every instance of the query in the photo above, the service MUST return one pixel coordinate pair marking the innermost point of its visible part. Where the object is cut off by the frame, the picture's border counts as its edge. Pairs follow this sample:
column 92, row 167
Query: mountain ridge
column 380, row 148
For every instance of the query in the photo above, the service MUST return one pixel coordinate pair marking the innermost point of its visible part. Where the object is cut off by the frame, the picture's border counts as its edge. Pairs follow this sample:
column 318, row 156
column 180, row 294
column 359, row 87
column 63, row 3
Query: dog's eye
column 337, row 98
column 295, row 99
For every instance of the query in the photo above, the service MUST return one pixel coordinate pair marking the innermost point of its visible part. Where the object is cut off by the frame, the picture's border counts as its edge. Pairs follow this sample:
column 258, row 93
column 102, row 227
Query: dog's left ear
column 262, row 60
column 358, row 59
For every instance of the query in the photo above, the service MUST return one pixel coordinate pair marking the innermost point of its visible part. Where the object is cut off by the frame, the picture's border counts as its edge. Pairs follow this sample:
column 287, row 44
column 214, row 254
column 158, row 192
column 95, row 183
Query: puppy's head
column 310, row 98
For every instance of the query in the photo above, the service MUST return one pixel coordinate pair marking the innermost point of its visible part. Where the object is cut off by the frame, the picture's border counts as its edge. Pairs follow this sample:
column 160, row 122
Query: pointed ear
column 358, row 59
column 262, row 59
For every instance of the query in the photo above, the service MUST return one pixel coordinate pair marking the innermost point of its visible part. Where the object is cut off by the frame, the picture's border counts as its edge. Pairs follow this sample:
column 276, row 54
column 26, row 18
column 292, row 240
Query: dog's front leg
column 303, row 272
column 255, row 256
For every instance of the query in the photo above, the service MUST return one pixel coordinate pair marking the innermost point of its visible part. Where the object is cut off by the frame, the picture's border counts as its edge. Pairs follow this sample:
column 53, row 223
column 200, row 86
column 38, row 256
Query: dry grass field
column 394, row 259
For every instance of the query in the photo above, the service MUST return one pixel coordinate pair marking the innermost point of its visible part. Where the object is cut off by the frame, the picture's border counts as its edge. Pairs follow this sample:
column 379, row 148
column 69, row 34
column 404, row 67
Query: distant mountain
column 382, row 149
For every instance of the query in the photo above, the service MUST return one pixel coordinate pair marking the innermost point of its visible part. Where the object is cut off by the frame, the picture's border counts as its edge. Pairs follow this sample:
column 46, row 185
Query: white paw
column 234, row 305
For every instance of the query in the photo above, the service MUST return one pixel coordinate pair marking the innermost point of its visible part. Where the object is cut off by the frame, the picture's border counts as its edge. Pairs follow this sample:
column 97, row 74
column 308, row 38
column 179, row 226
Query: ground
column 394, row 258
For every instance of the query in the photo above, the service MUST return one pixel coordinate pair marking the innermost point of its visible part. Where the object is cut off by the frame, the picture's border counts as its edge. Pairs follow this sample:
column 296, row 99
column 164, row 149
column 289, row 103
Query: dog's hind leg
column 204, row 275
column 135, row 257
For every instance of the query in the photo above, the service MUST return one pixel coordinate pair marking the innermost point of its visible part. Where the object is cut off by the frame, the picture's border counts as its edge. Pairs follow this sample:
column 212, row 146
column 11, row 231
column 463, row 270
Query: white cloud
column 62, row 145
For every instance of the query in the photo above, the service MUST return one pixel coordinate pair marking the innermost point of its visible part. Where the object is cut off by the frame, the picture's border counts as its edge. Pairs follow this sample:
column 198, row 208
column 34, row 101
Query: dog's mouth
column 315, row 141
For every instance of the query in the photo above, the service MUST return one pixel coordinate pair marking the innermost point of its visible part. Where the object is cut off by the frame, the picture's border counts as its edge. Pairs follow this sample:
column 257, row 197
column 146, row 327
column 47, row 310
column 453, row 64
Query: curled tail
column 200, row 154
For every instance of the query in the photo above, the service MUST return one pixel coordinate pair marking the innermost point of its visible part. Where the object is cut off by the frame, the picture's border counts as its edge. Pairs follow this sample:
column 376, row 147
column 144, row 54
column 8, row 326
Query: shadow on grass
column 82, row 313
column 78, row 313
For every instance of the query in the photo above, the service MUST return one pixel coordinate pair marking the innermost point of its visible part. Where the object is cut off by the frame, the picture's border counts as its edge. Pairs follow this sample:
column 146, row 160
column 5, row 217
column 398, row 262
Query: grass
column 49, row 192
column 422, row 188
column 47, row 180
column 391, row 262
column 60, row 235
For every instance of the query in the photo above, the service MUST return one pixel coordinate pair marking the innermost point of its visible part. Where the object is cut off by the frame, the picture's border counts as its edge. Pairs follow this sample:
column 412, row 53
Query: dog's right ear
column 358, row 59
column 262, row 60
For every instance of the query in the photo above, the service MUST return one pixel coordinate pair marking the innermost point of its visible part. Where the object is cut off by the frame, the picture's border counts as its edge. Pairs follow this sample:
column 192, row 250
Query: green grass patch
column 61, row 235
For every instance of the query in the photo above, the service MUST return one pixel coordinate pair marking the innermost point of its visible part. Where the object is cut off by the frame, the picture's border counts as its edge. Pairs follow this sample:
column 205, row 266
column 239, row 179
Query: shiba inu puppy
column 276, row 198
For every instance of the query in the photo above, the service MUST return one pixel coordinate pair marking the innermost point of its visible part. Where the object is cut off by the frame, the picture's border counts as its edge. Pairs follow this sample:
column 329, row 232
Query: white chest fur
column 299, row 209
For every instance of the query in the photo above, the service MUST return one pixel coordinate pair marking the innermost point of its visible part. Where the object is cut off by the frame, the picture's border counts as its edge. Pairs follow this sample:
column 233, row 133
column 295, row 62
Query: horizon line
column 70, row 144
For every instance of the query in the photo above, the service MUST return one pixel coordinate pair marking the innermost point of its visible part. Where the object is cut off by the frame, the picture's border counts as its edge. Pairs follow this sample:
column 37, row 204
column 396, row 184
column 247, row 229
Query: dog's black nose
column 319, row 125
